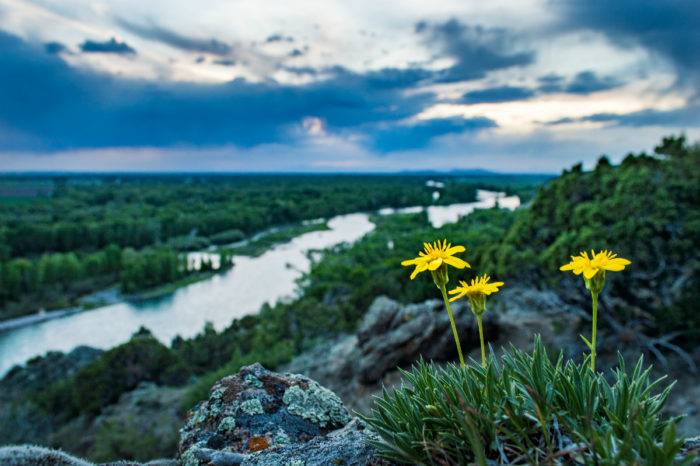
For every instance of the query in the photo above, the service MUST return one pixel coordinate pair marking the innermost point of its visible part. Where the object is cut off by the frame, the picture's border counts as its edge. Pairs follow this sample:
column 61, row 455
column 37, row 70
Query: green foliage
column 118, row 370
column 646, row 209
column 125, row 440
column 525, row 409
column 151, row 268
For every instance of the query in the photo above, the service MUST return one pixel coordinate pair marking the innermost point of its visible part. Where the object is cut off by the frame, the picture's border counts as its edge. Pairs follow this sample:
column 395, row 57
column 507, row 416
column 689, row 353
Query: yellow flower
column 434, row 255
column 479, row 287
column 590, row 266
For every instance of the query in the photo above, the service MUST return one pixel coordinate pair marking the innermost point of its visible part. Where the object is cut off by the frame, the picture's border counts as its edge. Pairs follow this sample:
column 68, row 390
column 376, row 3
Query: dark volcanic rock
column 258, row 417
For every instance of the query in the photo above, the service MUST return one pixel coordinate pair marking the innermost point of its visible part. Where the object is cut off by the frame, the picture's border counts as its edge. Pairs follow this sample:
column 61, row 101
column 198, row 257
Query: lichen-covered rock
column 259, row 417
column 32, row 455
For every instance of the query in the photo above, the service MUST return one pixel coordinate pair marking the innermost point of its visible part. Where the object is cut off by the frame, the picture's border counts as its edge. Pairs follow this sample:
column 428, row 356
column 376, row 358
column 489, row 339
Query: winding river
column 252, row 282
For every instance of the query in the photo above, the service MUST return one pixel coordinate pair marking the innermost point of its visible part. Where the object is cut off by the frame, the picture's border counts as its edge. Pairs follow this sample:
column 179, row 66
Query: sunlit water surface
column 242, row 290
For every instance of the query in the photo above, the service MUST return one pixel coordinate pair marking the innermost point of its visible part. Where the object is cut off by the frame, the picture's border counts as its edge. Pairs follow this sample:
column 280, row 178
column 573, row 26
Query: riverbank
column 253, row 247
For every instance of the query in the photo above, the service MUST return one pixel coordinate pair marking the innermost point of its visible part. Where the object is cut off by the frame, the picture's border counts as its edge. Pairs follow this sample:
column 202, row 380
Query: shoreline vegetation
column 253, row 247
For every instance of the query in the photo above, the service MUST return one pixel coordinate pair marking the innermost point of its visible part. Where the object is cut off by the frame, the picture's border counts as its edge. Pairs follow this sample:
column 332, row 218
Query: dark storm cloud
column 583, row 83
column 109, row 46
column 54, row 48
column 669, row 28
column 48, row 105
column 588, row 82
column 419, row 135
column 475, row 49
column 497, row 94
column 551, row 83
column 177, row 40
column 684, row 117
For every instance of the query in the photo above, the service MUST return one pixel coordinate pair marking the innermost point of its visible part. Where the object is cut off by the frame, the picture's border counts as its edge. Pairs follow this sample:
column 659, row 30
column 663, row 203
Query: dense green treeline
column 57, row 279
column 88, row 213
column 646, row 209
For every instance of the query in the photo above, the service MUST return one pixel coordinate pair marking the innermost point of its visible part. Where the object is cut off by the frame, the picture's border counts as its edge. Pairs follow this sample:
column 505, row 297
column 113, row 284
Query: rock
column 31, row 455
column 21, row 420
column 392, row 335
column 42, row 371
column 258, row 417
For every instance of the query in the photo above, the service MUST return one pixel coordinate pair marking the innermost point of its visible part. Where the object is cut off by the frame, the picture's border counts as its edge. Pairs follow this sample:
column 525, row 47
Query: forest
column 66, row 236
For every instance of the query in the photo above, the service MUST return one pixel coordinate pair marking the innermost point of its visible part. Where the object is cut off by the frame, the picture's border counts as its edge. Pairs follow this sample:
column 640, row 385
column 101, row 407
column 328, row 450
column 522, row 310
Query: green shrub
column 127, row 440
column 525, row 409
column 117, row 371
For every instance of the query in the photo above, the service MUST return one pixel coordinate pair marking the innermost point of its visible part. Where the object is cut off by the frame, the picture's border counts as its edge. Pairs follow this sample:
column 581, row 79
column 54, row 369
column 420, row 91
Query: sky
column 329, row 85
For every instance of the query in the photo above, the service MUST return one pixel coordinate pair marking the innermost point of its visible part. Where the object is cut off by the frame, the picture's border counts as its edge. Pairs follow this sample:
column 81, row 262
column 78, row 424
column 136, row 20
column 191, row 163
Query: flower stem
column 594, row 297
column 481, row 339
column 452, row 322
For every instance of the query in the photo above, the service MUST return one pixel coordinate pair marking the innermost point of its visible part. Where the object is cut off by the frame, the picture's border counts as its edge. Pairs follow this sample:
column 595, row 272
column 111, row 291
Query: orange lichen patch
column 258, row 444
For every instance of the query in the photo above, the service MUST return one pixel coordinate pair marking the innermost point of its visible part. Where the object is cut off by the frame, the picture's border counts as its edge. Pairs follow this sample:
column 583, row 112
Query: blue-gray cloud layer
column 669, row 28
column 475, row 49
column 48, row 105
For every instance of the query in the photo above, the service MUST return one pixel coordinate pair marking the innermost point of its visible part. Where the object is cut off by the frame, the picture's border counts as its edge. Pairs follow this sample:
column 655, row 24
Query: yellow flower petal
column 589, row 272
column 454, row 250
column 456, row 262
column 434, row 265
column 419, row 268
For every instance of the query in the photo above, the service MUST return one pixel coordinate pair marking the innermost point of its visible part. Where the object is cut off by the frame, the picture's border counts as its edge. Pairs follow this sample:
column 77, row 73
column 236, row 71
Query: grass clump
column 526, row 408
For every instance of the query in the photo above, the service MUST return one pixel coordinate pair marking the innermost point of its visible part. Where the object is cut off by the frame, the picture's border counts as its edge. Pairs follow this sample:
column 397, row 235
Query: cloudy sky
column 330, row 85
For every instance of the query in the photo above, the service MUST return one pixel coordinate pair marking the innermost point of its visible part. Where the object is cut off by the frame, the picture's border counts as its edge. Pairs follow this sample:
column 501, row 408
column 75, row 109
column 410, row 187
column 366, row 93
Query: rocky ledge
column 395, row 335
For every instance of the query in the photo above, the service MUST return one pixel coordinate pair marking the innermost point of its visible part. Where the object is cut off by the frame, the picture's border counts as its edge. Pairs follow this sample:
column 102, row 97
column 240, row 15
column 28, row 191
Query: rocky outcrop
column 394, row 335
column 258, row 417
column 42, row 371
column 20, row 418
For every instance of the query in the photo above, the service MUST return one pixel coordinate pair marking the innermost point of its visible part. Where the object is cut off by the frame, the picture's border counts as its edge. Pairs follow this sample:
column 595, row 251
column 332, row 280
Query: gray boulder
column 394, row 335
column 258, row 417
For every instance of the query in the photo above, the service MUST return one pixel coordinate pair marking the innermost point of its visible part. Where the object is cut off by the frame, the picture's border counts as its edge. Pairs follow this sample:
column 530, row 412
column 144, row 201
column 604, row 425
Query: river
column 240, row 291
